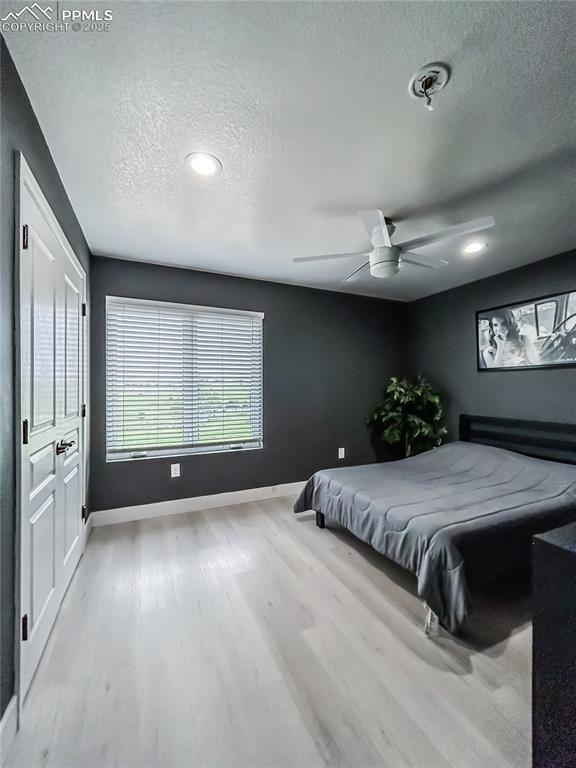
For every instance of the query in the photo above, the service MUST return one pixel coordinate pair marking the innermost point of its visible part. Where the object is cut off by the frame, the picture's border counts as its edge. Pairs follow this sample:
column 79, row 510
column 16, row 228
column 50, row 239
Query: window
column 570, row 312
column 546, row 312
column 526, row 318
column 181, row 379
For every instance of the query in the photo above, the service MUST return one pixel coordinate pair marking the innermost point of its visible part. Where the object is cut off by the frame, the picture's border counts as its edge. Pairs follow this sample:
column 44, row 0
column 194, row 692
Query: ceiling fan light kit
column 385, row 259
column 384, row 262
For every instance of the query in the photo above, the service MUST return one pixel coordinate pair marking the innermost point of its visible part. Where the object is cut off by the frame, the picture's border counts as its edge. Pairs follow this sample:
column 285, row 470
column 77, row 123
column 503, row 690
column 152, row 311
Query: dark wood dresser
column 554, row 649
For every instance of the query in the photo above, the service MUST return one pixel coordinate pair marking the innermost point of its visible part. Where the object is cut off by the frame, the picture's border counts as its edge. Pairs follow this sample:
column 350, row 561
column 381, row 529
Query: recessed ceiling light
column 204, row 164
column 474, row 247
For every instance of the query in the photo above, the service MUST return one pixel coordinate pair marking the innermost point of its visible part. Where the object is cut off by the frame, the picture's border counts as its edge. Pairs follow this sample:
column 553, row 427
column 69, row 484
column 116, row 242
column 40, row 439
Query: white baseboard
column 8, row 727
column 88, row 529
column 179, row 506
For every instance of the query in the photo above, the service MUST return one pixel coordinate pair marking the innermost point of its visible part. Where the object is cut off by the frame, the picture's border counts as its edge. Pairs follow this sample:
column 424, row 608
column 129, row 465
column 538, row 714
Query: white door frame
column 24, row 178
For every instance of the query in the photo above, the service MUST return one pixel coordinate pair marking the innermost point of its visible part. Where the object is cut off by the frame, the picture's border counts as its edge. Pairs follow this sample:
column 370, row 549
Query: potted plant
column 410, row 416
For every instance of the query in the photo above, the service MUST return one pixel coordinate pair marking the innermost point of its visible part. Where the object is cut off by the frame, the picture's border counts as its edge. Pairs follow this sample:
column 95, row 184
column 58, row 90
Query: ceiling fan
column 386, row 259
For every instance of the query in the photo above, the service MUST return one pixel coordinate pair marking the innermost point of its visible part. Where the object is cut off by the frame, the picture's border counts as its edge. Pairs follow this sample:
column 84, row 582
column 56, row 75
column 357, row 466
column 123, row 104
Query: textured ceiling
column 307, row 106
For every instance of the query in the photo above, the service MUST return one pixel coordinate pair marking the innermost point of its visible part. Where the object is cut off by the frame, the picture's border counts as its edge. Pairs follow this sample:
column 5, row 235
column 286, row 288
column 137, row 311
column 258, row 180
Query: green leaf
column 411, row 414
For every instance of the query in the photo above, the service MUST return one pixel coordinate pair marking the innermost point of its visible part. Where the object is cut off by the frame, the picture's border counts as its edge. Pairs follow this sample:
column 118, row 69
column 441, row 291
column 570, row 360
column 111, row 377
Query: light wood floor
column 246, row 636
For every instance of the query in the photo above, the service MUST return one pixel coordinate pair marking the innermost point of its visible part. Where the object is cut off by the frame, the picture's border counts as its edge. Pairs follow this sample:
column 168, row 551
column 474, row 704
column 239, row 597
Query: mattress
column 460, row 510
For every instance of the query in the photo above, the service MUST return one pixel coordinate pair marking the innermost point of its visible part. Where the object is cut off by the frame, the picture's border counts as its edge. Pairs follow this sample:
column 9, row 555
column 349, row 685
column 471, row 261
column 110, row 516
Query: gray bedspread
column 462, row 507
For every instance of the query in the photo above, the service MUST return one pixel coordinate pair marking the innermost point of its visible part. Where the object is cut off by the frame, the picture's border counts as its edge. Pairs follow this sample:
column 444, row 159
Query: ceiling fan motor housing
column 385, row 262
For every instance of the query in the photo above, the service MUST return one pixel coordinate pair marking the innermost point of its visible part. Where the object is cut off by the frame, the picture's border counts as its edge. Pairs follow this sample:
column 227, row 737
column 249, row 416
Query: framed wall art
column 540, row 333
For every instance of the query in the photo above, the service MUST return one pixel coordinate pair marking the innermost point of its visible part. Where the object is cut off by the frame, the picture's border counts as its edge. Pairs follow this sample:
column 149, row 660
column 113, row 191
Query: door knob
column 63, row 446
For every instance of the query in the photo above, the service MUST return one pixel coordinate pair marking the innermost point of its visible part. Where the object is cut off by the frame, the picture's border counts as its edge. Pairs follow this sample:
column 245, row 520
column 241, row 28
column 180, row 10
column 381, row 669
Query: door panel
column 52, row 355
column 73, row 310
column 43, row 328
column 72, row 421
column 42, row 469
column 39, row 518
column 42, row 524
column 71, row 517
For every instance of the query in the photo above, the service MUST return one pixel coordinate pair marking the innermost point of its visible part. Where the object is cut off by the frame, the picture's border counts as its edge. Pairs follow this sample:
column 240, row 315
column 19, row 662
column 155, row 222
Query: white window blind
column 181, row 379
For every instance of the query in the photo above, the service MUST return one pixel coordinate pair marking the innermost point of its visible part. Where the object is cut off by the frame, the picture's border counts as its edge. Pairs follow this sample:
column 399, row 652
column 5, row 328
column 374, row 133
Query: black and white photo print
column 537, row 334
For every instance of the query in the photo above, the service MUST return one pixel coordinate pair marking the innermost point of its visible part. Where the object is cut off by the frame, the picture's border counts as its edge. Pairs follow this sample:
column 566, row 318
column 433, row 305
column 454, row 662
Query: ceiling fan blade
column 443, row 234
column 356, row 272
column 329, row 256
column 375, row 220
column 418, row 260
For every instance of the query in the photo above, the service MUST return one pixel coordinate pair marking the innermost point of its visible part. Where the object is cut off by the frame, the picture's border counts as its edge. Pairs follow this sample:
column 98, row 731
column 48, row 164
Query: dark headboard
column 542, row 439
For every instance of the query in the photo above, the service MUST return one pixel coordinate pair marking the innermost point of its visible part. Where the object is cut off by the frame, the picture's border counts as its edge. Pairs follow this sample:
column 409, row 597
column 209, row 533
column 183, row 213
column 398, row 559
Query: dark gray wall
column 443, row 348
column 19, row 131
column 327, row 357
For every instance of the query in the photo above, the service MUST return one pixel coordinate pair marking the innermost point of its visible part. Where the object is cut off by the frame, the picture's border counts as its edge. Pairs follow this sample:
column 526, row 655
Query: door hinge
column 25, row 432
column 83, row 309
column 84, row 512
column 25, row 627
column 83, row 411
column 25, row 237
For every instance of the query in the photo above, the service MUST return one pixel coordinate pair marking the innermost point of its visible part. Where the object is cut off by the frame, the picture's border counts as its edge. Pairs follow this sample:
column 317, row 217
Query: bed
column 464, row 512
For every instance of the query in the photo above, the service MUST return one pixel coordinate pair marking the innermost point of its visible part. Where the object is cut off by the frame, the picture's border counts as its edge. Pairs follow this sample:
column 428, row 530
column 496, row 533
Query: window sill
column 171, row 454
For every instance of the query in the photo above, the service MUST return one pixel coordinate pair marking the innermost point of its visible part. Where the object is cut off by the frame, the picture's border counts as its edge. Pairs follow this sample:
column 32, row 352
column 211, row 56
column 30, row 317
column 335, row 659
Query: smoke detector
column 428, row 81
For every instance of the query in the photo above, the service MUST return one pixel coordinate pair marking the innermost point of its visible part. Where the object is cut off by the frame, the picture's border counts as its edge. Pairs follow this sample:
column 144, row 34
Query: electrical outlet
column 174, row 470
column 341, row 453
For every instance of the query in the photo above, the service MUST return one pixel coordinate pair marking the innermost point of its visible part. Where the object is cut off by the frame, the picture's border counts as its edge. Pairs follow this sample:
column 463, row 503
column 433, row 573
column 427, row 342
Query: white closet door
column 52, row 289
